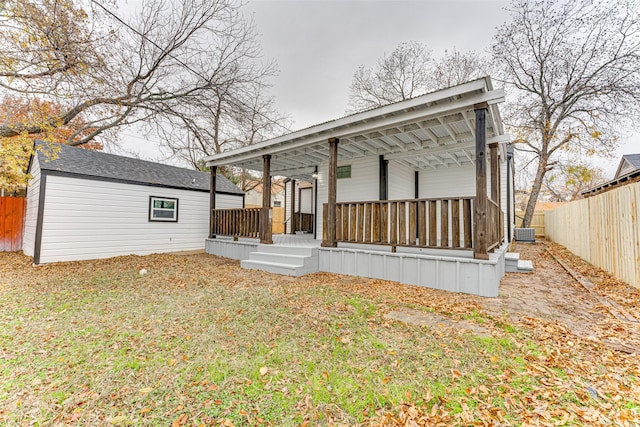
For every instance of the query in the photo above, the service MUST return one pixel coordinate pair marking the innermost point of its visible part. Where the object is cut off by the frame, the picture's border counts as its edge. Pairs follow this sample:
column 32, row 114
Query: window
column 277, row 203
column 163, row 209
column 343, row 171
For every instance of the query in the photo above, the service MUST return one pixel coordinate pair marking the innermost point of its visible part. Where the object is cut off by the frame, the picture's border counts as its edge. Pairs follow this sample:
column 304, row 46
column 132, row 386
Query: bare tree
column 238, row 116
column 573, row 74
column 403, row 74
column 457, row 67
column 188, row 63
column 410, row 71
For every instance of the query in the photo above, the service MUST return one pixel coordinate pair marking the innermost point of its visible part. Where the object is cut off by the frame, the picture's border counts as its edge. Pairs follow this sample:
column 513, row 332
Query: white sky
column 318, row 46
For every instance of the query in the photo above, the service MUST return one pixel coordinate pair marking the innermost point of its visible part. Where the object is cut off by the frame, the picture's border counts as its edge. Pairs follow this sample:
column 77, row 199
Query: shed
column 84, row 204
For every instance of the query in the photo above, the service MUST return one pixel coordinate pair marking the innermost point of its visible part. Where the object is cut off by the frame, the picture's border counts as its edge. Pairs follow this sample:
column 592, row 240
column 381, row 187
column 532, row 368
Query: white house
column 84, row 204
column 419, row 192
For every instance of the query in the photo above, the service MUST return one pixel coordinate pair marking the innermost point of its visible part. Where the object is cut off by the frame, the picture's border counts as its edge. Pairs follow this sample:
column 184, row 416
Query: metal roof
column 96, row 164
column 432, row 131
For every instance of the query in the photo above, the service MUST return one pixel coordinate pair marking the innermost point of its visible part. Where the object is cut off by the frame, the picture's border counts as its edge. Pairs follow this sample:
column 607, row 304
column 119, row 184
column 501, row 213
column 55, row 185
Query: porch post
column 331, row 196
column 292, row 214
column 265, row 221
column 495, row 171
column 212, row 201
column 480, row 212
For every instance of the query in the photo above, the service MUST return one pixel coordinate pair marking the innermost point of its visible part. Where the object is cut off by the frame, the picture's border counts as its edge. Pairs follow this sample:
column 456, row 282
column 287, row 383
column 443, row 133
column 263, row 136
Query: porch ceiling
column 436, row 130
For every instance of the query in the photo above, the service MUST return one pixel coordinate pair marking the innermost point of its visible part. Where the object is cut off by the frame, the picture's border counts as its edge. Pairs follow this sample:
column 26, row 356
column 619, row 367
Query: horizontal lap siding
column 88, row 219
column 363, row 184
column 448, row 182
column 33, row 192
column 401, row 182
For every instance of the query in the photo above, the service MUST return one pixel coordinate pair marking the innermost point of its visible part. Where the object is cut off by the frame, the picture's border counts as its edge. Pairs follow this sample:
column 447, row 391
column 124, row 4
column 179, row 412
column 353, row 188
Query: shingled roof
column 628, row 164
column 99, row 165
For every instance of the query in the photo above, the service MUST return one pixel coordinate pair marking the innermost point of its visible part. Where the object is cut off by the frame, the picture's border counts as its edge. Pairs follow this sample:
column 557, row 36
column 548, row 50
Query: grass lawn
column 199, row 341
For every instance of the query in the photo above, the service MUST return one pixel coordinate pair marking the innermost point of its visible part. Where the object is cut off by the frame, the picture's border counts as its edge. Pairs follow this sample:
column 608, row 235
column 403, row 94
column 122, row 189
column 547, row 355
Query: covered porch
column 422, row 177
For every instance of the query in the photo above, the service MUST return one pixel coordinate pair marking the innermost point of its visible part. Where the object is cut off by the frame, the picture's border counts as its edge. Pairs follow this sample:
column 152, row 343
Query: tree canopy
column 409, row 71
column 190, row 70
column 572, row 71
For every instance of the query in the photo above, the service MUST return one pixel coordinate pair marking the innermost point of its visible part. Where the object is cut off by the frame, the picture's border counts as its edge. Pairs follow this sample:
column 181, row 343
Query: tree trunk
column 535, row 192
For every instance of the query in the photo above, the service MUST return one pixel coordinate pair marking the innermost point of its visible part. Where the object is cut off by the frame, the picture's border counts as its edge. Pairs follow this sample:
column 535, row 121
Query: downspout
column 383, row 178
column 509, row 187
column 416, row 195
column 315, row 204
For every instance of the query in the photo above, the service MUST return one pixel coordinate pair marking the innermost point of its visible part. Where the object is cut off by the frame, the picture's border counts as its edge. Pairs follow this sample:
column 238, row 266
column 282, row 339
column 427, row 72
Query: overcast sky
column 318, row 46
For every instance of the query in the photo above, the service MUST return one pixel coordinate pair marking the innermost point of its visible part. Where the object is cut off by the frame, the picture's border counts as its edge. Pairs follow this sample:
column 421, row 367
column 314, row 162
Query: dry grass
column 199, row 341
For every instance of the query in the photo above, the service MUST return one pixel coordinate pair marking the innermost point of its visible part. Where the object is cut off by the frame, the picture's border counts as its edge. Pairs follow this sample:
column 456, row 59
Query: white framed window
column 164, row 209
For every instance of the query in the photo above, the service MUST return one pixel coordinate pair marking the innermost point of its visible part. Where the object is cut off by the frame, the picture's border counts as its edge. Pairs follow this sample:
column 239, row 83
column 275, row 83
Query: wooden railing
column 302, row 221
column 495, row 221
column 237, row 222
column 425, row 223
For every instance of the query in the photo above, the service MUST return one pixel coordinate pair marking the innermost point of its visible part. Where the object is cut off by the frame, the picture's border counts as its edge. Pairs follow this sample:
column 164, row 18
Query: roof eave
column 337, row 128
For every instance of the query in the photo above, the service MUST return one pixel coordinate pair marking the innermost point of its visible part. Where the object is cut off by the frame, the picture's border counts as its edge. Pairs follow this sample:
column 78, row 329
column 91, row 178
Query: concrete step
column 525, row 266
column 513, row 263
column 278, row 267
column 278, row 258
column 511, row 256
column 287, row 250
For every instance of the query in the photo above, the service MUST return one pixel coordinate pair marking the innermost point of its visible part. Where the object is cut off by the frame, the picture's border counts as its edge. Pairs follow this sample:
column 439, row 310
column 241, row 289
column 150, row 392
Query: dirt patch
column 433, row 320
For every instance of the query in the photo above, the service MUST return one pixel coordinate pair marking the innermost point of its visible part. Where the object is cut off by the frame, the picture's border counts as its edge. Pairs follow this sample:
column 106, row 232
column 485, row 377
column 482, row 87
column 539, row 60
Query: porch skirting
column 455, row 274
column 450, row 273
column 230, row 249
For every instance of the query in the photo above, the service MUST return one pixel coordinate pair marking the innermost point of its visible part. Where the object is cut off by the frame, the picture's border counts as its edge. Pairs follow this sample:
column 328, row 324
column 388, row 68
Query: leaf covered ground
column 200, row 341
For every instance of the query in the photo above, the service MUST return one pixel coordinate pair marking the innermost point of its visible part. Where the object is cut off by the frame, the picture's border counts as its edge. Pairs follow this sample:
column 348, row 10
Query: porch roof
column 435, row 130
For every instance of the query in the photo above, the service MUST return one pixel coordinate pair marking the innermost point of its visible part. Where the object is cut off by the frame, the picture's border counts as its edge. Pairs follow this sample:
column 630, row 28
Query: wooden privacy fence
column 277, row 220
column 237, row 222
column 603, row 230
column 425, row 223
column 12, row 214
column 537, row 222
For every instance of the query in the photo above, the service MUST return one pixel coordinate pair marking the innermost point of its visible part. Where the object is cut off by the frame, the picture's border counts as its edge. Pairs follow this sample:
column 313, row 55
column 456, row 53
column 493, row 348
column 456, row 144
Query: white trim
column 153, row 210
column 391, row 115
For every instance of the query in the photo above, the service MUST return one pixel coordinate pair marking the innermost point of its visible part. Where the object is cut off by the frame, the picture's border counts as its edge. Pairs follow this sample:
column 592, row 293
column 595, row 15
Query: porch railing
column 237, row 222
column 495, row 219
column 302, row 221
column 426, row 223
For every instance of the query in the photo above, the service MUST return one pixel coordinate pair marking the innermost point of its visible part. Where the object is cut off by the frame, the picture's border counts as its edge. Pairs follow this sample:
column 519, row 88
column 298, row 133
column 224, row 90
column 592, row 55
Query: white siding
column 503, row 194
column 362, row 186
column 448, row 182
column 305, row 200
column 287, row 206
column 88, row 219
column 401, row 182
column 252, row 198
column 33, row 194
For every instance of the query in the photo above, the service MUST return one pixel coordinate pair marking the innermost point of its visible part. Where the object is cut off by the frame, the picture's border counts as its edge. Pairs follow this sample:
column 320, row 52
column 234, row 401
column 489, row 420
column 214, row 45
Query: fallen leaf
column 120, row 420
